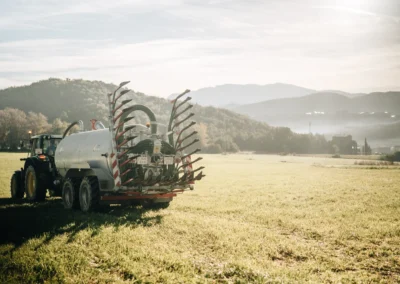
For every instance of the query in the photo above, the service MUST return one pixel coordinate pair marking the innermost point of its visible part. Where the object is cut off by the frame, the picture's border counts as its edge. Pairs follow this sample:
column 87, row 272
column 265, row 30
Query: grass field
column 263, row 219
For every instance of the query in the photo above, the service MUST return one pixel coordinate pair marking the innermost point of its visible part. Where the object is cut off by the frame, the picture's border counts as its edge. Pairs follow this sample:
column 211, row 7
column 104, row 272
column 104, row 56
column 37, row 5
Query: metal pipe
column 183, row 120
column 128, row 181
column 183, row 111
column 124, row 173
column 99, row 125
column 146, row 110
column 194, row 152
column 188, row 145
column 179, row 105
column 123, row 122
column 123, row 132
column 123, row 92
column 178, row 143
column 191, row 163
column 128, row 160
column 119, row 87
column 81, row 126
column 183, row 129
column 69, row 128
column 126, row 141
column 121, row 105
column 170, row 136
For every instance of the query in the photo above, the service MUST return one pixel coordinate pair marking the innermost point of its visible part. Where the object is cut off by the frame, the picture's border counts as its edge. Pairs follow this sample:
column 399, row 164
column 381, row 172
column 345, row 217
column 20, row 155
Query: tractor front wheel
column 89, row 194
column 34, row 186
column 17, row 191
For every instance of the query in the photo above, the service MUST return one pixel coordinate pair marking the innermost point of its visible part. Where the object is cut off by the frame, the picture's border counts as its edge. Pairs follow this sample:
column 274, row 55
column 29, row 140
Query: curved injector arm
column 177, row 130
column 175, row 107
column 129, row 110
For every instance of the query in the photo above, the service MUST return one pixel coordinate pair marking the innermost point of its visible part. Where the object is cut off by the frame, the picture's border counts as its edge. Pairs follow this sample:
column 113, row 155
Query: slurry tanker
column 124, row 162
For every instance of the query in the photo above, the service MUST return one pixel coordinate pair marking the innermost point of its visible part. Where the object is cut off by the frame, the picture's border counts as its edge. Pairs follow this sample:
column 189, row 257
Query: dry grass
column 263, row 219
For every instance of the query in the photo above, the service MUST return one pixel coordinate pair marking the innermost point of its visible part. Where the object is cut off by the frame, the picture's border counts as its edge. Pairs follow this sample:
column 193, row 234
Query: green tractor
column 39, row 172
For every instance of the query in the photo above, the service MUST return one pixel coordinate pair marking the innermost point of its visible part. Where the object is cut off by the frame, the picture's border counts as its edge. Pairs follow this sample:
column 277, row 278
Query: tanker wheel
column 34, row 186
column 17, row 191
column 89, row 194
column 70, row 194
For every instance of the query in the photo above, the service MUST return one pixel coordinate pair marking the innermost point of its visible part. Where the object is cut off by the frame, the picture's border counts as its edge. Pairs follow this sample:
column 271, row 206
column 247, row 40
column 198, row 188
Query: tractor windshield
column 50, row 145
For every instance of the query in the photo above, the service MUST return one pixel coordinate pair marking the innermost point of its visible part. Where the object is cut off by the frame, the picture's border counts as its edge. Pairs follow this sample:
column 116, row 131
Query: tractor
column 39, row 171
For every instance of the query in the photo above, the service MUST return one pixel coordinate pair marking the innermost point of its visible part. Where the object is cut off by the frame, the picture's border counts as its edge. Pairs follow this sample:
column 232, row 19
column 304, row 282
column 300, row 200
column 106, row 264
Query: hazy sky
column 168, row 46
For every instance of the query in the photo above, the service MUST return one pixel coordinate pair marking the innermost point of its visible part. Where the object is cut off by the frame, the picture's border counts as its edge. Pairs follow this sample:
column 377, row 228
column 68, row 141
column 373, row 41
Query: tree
column 58, row 126
column 201, row 128
column 13, row 127
column 37, row 123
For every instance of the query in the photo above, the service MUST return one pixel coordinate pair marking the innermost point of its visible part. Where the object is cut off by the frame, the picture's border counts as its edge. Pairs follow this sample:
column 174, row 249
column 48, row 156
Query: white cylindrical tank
column 84, row 150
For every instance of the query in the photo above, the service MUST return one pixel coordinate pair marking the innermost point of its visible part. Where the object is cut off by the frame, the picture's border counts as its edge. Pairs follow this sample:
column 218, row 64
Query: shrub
column 393, row 157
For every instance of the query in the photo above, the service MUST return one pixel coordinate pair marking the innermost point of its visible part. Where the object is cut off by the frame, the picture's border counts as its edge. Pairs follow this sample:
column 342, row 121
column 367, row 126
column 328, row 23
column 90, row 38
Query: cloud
column 349, row 10
column 24, row 15
column 165, row 47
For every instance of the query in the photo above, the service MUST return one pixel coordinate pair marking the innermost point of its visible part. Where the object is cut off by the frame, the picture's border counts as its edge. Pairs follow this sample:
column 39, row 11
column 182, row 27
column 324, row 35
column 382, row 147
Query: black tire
column 151, row 204
column 89, row 194
column 17, row 191
column 70, row 194
column 34, row 186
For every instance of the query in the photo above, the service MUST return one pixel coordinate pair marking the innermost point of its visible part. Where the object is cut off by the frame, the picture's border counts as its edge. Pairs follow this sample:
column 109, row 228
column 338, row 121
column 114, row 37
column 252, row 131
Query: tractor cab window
column 50, row 145
column 34, row 145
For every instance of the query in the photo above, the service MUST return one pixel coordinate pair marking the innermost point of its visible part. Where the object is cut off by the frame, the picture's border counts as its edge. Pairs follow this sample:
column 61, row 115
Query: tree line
column 17, row 126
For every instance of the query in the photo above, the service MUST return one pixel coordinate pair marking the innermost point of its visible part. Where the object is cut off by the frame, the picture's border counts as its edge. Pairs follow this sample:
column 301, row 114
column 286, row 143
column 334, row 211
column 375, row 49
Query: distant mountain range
column 306, row 110
column 233, row 94
column 331, row 113
column 326, row 102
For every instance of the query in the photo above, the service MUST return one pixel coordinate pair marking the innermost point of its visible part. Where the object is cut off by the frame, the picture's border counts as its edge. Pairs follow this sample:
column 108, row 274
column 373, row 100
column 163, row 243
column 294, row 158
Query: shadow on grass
column 21, row 221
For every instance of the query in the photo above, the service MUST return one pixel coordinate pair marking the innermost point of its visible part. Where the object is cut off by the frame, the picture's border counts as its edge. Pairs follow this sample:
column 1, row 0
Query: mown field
column 261, row 219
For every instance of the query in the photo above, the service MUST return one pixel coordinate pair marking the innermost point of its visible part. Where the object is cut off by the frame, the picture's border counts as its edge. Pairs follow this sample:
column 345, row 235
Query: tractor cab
column 44, row 145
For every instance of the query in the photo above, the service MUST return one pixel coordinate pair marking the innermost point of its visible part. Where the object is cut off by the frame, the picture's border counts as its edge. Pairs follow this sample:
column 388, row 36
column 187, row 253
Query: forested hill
column 70, row 100
column 220, row 129
column 373, row 115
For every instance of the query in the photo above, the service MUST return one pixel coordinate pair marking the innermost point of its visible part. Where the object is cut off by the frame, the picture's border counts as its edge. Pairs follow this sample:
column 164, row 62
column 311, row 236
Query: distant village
column 345, row 145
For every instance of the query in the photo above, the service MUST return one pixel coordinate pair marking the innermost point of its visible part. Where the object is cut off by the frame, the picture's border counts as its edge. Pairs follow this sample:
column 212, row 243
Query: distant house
column 345, row 144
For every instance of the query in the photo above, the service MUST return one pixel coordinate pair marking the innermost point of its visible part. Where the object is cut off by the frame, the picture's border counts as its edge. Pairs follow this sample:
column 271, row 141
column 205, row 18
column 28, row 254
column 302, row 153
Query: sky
column 165, row 47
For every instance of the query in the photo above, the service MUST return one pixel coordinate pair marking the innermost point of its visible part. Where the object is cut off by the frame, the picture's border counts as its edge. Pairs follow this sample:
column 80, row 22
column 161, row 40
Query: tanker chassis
column 124, row 162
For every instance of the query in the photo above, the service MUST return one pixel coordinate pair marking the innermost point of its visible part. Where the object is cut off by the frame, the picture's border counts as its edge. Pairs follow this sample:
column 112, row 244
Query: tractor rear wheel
column 34, row 186
column 17, row 191
column 70, row 194
column 89, row 194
